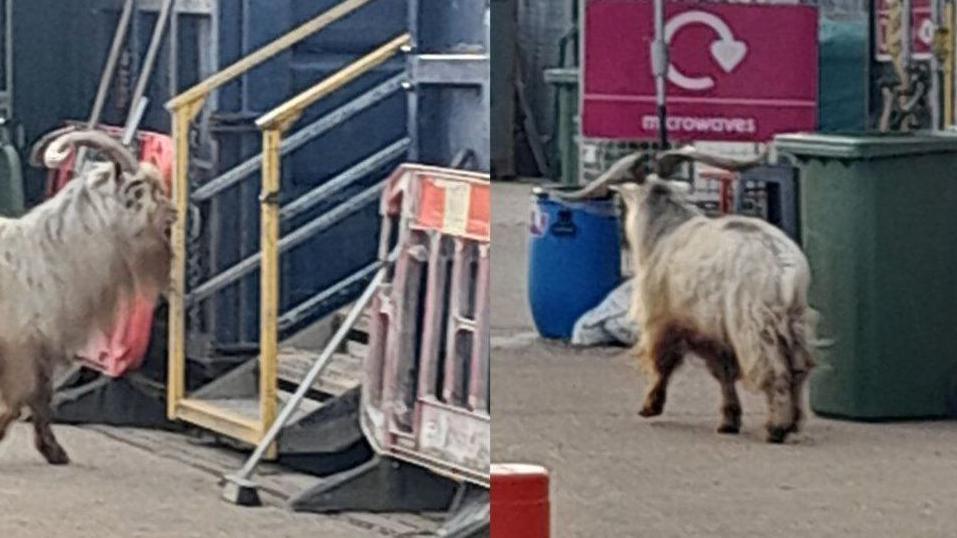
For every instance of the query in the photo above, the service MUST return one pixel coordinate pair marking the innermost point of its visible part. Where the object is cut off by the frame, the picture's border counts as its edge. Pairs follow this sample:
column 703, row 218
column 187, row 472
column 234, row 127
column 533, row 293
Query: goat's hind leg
column 16, row 382
column 7, row 417
column 662, row 356
column 724, row 367
column 758, row 348
column 41, row 408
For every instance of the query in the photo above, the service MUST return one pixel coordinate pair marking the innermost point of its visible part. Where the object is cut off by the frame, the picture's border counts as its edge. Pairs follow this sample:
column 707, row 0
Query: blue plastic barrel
column 574, row 260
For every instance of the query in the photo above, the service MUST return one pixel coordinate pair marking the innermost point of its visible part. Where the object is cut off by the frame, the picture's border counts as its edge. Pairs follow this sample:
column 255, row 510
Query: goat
column 732, row 290
column 66, row 266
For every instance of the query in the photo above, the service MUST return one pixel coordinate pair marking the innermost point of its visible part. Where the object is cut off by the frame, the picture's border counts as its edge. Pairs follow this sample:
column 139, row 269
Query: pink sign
column 922, row 29
column 737, row 72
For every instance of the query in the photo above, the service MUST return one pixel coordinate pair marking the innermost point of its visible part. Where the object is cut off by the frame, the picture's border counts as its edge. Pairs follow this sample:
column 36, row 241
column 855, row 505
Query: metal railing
column 273, row 125
column 184, row 109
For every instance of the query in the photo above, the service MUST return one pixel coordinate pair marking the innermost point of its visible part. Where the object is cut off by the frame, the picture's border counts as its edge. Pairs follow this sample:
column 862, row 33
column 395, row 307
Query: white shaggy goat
column 732, row 290
column 66, row 265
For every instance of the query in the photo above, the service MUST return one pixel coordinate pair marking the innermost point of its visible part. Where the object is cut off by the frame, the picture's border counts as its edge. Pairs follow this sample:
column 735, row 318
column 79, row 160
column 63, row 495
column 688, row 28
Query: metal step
column 249, row 407
column 342, row 374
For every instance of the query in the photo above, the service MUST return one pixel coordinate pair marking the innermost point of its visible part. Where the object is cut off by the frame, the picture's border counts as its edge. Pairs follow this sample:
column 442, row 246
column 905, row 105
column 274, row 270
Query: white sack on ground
column 611, row 322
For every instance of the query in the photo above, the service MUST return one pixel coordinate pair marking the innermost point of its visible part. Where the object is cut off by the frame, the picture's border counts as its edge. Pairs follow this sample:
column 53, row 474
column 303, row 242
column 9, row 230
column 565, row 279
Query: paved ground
column 142, row 484
column 617, row 475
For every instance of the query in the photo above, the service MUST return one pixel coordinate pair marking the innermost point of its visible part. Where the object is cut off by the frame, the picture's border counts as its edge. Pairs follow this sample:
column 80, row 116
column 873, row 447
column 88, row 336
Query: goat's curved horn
column 59, row 149
column 40, row 146
column 628, row 168
column 669, row 161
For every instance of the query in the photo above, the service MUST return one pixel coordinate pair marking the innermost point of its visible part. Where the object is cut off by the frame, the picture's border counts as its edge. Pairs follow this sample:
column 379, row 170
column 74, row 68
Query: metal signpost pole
column 659, row 65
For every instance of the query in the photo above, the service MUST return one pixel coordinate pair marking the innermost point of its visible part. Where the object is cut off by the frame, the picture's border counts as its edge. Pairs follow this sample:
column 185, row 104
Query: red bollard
column 520, row 505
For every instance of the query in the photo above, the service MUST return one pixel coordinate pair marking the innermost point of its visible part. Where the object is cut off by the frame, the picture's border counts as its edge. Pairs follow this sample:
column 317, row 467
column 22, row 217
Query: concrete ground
column 617, row 475
column 127, row 483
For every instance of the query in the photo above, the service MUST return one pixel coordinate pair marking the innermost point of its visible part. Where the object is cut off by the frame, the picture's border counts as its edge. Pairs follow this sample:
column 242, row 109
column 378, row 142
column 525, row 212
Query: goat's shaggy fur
column 66, row 265
column 732, row 290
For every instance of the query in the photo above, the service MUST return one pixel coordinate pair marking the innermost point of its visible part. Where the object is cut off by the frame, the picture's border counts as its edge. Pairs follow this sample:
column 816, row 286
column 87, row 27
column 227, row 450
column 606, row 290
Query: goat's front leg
column 781, row 409
column 40, row 407
column 797, row 400
column 664, row 354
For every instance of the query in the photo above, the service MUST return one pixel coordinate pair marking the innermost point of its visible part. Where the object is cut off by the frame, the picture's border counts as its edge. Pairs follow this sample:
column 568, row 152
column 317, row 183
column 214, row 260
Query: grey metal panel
column 541, row 25
column 503, row 51
column 454, row 117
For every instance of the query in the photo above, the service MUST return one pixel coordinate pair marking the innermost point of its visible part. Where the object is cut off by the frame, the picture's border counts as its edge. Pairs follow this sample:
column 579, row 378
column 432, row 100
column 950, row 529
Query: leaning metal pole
column 239, row 488
column 106, row 77
column 659, row 66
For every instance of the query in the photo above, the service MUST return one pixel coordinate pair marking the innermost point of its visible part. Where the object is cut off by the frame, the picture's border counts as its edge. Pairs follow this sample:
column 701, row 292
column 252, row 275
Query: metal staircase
column 243, row 403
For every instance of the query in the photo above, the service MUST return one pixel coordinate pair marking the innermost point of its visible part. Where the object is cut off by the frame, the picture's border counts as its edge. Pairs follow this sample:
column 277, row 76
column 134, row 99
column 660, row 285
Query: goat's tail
column 802, row 329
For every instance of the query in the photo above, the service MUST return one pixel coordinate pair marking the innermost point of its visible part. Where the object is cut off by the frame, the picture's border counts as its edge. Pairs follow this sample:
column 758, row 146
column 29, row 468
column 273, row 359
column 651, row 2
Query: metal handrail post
column 273, row 125
column 183, row 114
column 269, row 277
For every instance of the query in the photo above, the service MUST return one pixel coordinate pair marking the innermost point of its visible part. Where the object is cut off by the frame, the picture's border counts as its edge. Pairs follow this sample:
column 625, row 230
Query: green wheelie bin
column 879, row 227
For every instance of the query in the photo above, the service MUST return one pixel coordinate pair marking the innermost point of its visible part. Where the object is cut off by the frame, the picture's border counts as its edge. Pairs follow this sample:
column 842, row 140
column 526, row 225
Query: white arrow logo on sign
column 926, row 32
column 726, row 51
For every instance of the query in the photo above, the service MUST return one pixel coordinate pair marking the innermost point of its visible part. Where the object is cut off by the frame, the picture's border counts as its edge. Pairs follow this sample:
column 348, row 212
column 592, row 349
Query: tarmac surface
column 617, row 475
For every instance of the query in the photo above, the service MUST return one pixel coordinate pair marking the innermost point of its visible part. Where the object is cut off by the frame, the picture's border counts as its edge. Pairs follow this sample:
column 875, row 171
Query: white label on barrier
column 456, row 438
column 458, row 200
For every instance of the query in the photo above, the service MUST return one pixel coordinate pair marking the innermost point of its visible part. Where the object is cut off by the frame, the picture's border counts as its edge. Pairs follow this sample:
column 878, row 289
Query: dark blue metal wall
column 234, row 220
column 61, row 48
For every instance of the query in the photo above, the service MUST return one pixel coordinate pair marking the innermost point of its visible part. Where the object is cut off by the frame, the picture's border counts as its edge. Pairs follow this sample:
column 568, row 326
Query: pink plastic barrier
column 426, row 391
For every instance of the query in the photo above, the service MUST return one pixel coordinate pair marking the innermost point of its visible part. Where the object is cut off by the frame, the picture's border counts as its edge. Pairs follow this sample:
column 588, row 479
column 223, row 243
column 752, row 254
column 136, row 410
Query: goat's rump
column 748, row 288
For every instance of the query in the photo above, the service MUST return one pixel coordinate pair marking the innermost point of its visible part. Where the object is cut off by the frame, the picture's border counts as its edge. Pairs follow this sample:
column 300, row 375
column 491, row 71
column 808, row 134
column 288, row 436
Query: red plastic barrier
column 520, row 501
column 124, row 347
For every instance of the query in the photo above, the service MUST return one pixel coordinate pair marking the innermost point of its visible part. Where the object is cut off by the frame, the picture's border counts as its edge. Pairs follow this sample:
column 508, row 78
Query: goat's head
column 136, row 189
column 651, row 188
column 128, row 194
column 635, row 179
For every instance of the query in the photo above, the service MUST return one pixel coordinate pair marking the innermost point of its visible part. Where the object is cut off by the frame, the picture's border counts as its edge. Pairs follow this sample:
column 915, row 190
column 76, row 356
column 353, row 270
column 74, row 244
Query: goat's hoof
column 649, row 411
column 729, row 429
column 777, row 435
column 56, row 456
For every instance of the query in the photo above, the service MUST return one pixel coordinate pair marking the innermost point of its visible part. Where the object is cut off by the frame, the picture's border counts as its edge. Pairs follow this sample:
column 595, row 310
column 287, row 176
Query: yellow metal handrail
column 241, row 66
column 273, row 124
column 287, row 113
column 184, row 108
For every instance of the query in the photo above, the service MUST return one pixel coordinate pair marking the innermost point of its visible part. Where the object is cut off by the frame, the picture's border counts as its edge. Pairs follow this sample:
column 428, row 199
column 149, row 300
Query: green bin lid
column 864, row 145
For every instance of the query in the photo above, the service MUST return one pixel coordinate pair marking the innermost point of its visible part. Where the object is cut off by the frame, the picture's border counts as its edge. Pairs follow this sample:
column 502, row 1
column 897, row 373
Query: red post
column 520, row 501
